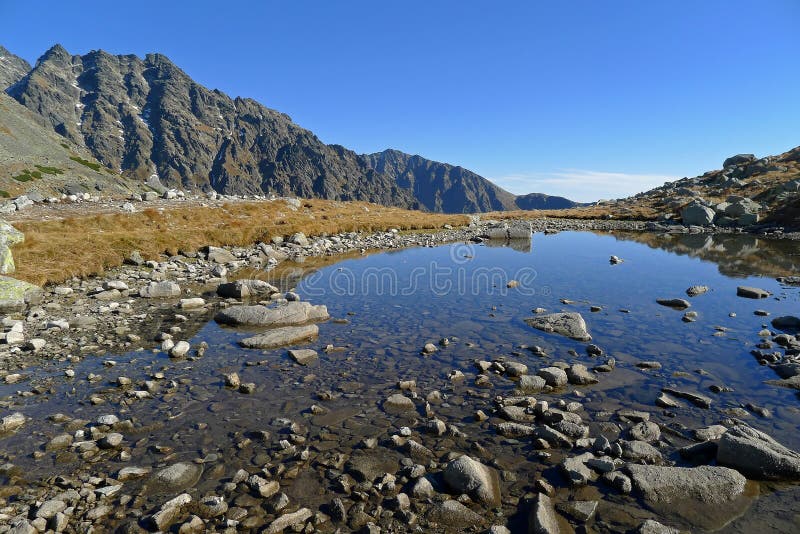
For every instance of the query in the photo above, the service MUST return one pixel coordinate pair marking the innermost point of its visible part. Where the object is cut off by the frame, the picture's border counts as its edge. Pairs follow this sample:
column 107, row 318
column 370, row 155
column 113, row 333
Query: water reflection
column 737, row 255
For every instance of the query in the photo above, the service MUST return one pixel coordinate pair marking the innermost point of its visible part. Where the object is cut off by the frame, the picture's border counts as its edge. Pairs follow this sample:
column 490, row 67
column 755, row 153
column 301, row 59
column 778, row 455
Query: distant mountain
column 439, row 186
column 140, row 117
column 539, row 201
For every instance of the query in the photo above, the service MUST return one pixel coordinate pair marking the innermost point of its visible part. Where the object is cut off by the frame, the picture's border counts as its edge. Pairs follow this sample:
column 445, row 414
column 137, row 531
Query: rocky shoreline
column 425, row 470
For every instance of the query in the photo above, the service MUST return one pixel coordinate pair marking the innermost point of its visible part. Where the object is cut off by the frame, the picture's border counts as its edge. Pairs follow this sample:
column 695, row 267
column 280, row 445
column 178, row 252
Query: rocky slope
column 145, row 117
column 36, row 161
column 745, row 192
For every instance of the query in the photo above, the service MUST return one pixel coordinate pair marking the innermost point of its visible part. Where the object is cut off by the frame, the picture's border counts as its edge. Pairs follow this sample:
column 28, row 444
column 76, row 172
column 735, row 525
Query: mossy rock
column 16, row 295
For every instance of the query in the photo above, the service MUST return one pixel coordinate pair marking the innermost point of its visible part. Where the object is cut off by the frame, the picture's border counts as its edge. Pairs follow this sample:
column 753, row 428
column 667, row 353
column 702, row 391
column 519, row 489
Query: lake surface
column 387, row 306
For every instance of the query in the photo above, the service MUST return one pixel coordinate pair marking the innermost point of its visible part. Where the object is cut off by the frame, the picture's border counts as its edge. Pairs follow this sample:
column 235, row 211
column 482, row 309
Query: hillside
column 143, row 117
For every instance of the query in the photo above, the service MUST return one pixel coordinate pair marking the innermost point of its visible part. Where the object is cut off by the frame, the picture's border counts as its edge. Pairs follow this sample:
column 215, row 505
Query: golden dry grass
column 57, row 250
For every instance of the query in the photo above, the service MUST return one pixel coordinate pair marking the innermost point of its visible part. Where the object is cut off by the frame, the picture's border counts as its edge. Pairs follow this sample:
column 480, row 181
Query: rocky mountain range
column 141, row 118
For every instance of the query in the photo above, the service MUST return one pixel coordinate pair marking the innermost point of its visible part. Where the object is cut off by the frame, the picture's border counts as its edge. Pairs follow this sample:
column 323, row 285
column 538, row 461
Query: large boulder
column 465, row 475
column 738, row 159
column 698, row 214
column 757, row 455
column 709, row 497
column 291, row 313
column 569, row 324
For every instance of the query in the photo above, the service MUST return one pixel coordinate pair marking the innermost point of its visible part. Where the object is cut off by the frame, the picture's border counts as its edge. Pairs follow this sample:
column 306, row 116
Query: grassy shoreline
column 57, row 250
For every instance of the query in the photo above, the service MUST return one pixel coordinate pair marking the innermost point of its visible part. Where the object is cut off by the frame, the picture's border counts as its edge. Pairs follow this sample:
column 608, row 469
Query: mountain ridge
column 145, row 116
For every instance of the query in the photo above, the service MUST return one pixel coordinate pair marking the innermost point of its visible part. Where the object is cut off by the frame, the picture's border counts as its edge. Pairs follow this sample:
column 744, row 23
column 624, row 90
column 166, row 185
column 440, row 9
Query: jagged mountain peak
column 147, row 116
column 12, row 68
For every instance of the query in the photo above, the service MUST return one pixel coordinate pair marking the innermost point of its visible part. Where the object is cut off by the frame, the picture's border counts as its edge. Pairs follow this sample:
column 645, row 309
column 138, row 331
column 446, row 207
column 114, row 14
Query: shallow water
column 396, row 302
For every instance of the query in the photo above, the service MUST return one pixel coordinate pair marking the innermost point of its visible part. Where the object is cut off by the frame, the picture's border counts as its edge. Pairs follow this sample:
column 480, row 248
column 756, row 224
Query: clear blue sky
column 587, row 99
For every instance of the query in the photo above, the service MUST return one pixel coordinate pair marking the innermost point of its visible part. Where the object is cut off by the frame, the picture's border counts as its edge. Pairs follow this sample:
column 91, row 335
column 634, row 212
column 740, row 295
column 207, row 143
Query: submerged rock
column 176, row 477
column 280, row 337
column 569, row 324
column 454, row 515
column 708, row 497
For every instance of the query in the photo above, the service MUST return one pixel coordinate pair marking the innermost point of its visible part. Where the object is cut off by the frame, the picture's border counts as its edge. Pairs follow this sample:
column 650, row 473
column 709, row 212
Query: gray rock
column 366, row 466
column 11, row 423
column 180, row 349
column 531, row 383
column 738, row 159
column 291, row 313
column 654, row 527
column 680, row 304
column 466, row 475
column 695, row 398
column 398, row 403
column 553, row 376
column 708, row 497
column 752, row 292
column 641, row 451
column 288, row 520
column 694, row 291
column 695, row 213
column 454, row 515
column 218, row 255
column 242, row 289
column 579, row 375
column 757, row 455
column 543, row 518
column 177, row 477
column 645, row 431
column 576, row 470
column 281, row 337
column 569, row 324
column 156, row 290
column 303, row 356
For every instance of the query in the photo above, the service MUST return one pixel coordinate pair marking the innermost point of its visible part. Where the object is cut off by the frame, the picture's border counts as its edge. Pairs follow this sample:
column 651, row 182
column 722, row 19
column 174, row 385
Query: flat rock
column 467, row 475
column 709, row 497
column 678, row 304
column 303, row 356
column 695, row 398
column 289, row 314
column 280, row 337
column 757, row 455
column 288, row 520
column 366, row 466
column 531, row 383
column 398, row 403
column 569, row 324
column 752, row 292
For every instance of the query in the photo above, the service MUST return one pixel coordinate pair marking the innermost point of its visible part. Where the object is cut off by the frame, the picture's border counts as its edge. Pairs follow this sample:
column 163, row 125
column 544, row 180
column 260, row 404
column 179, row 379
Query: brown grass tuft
column 56, row 250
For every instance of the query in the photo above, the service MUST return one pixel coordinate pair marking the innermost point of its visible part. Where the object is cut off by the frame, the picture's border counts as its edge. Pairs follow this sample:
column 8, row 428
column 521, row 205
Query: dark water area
column 387, row 306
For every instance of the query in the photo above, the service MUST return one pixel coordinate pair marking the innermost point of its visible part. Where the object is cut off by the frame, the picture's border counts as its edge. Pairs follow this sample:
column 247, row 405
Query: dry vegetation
column 57, row 250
